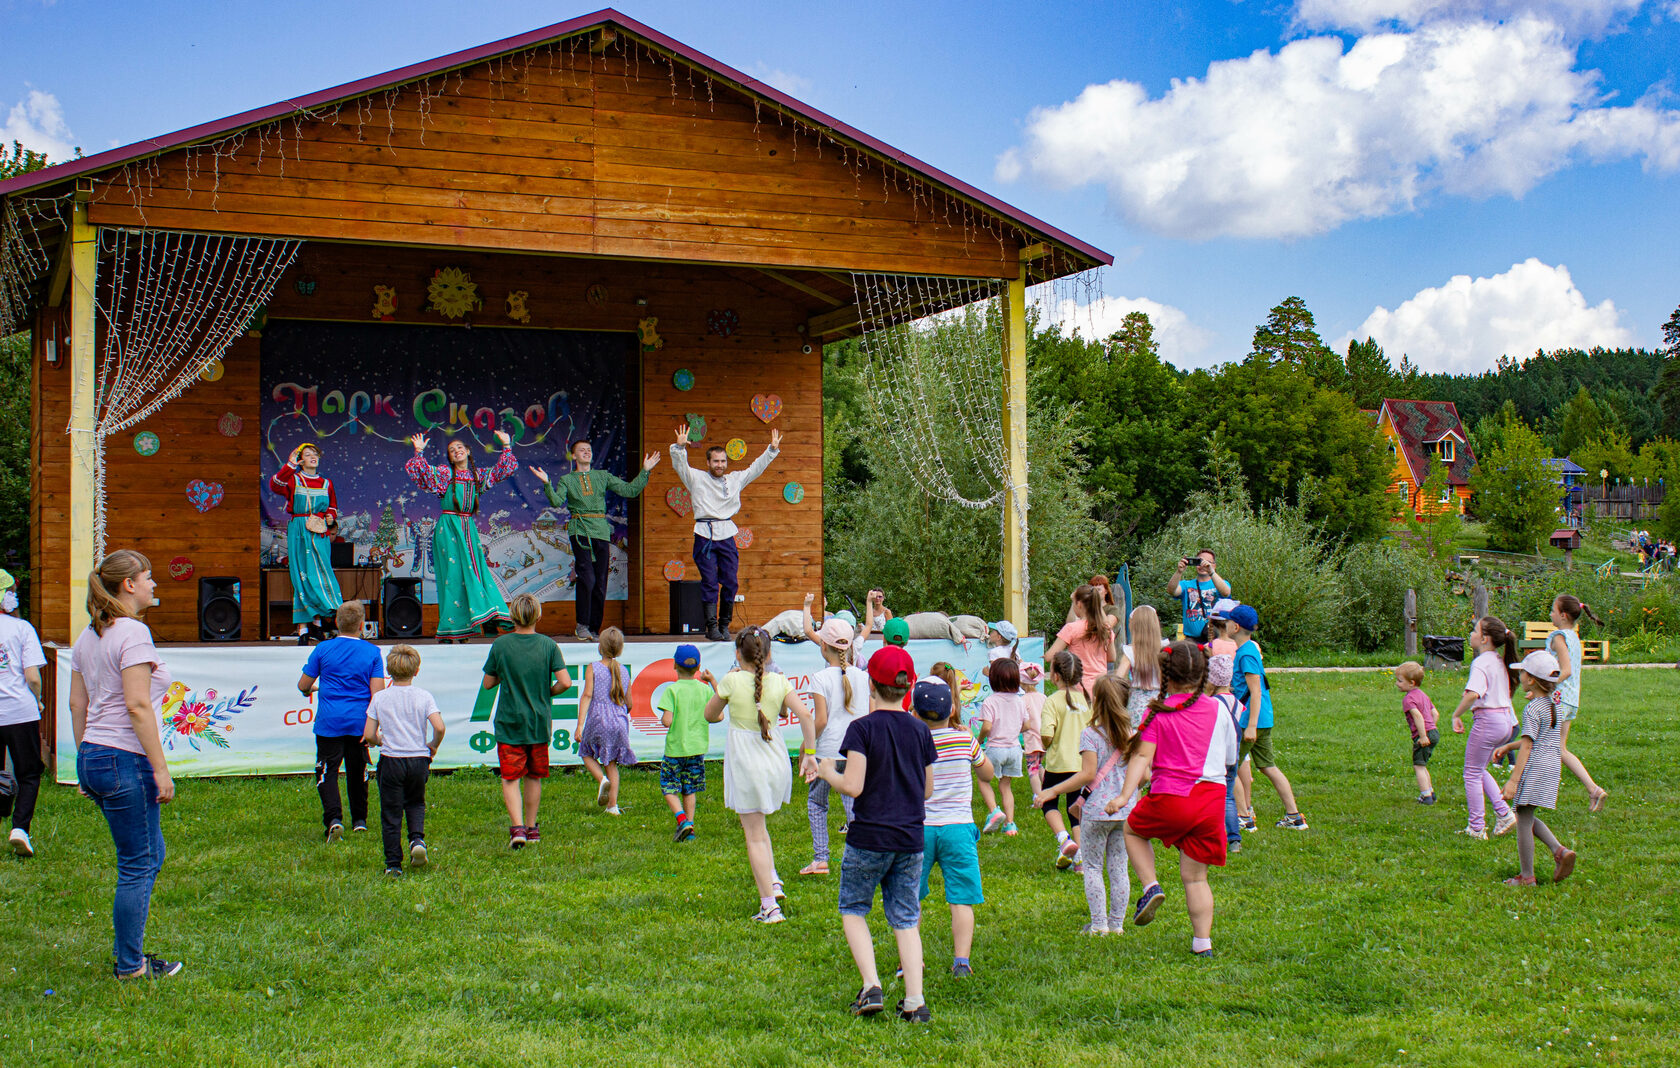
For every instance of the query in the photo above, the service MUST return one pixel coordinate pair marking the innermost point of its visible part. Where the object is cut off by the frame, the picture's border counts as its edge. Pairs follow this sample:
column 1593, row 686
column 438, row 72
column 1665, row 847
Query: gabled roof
column 1565, row 465
column 1419, row 423
column 116, row 157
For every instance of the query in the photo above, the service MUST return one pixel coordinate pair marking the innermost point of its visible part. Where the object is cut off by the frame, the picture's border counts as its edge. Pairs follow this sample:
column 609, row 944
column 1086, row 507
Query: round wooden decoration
column 743, row 537
column 722, row 321
column 735, row 449
column 675, row 570
column 180, row 569
column 683, row 380
column 146, row 443
column 230, row 425
column 793, row 493
column 213, row 371
column 596, row 294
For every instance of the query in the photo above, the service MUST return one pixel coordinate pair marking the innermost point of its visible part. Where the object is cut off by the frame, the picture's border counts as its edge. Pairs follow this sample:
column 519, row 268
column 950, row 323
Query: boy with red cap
column 889, row 770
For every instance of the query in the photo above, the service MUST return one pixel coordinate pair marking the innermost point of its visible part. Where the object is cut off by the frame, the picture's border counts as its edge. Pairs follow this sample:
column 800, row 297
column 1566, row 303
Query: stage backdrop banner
column 360, row 390
column 237, row 711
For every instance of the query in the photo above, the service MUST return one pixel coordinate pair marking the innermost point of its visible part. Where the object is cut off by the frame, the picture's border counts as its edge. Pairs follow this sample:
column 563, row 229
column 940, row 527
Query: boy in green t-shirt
column 682, row 706
column 531, row 672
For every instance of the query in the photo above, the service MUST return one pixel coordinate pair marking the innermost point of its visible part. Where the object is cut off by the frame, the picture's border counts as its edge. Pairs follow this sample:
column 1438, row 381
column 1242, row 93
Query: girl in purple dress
column 604, row 720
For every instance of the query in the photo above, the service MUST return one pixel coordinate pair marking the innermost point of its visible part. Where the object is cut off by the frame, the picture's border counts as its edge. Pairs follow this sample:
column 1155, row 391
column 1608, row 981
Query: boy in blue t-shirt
column 1248, row 682
column 347, row 672
column 889, row 770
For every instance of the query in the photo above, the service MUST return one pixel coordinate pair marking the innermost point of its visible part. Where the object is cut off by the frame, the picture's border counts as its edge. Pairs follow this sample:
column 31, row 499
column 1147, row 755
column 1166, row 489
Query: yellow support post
column 84, row 261
column 1015, row 450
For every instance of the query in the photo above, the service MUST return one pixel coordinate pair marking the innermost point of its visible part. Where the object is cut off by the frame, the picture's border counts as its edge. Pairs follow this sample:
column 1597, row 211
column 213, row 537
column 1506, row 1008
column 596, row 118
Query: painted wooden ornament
column 735, row 449
column 213, row 371
column 675, row 570
column 679, row 500
column 696, row 427
column 230, row 425
column 180, row 569
column 305, row 285
column 146, row 443
column 596, row 294
column 384, row 303
column 793, row 493
column 743, row 537
column 647, row 330
column 722, row 321
column 259, row 319
column 204, row 495
column 766, row 406
column 683, row 380
column 452, row 293
column 516, row 309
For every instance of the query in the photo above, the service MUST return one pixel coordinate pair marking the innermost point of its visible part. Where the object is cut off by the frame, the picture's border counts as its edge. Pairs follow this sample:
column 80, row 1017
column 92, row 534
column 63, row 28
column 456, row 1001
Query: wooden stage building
column 593, row 177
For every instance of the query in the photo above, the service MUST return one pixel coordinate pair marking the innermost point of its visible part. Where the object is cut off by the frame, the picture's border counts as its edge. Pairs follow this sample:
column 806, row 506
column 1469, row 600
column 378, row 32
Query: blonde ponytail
column 104, row 603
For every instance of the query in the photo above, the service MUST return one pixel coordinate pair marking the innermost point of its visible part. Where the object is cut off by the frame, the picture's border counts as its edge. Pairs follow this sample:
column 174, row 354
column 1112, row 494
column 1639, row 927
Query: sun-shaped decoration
column 452, row 293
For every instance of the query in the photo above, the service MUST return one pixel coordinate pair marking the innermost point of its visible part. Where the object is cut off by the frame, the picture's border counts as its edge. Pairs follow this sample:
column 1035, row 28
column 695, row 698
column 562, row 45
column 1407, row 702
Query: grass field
column 1378, row 937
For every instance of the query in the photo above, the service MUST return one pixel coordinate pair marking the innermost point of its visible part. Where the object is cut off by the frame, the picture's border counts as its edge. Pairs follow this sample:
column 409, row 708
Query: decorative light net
column 170, row 303
column 23, row 254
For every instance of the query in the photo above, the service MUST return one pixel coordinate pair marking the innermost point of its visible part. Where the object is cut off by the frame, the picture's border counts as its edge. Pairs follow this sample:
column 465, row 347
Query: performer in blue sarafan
column 716, row 495
column 314, row 511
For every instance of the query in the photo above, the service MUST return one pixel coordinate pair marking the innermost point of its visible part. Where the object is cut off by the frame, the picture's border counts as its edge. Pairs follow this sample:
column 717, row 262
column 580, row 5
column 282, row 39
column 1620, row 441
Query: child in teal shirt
column 682, row 707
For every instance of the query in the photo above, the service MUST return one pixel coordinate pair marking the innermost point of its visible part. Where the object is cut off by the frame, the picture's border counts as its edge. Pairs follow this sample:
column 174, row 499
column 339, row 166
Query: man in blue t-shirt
column 347, row 672
column 1198, row 594
column 889, row 769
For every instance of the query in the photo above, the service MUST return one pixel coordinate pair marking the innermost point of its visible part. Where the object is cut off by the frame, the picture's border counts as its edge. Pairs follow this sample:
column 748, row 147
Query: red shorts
column 1194, row 824
column 523, row 761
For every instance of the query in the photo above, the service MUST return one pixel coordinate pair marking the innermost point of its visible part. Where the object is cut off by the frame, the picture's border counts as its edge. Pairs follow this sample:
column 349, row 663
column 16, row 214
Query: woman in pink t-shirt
column 1184, row 746
column 117, row 683
column 1090, row 638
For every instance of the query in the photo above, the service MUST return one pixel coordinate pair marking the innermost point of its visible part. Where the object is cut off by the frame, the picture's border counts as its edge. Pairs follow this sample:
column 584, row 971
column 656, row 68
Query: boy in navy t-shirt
column 889, row 769
column 347, row 672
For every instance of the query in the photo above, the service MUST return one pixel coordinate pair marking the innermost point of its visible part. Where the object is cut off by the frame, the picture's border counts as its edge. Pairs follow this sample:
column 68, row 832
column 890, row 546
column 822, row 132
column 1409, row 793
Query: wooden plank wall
column 563, row 152
column 147, row 497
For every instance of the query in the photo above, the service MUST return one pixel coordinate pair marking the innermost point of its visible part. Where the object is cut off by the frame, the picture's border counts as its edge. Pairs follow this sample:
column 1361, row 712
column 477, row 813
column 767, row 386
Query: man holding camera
column 1198, row 594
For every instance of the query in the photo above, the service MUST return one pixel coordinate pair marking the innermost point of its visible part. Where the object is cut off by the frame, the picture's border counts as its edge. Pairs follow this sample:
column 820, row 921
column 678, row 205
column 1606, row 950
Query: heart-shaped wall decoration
column 722, row 321
column 679, row 500
column 230, row 425
column 180, row 569
column 204, row 495
column 766, row 406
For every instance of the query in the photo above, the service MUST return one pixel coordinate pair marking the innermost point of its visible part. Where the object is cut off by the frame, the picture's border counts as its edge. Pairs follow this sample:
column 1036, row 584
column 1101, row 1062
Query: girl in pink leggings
column 1487, row 697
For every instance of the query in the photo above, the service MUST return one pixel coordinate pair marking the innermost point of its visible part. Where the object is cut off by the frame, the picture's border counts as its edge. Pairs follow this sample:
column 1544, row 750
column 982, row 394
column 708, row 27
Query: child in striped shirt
column 950, row 838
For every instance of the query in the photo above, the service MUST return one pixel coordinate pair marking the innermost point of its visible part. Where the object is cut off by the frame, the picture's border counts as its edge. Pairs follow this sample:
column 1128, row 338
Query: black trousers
column 23, row 742
column 591, row 556
column 402, row 792
column 329, row 753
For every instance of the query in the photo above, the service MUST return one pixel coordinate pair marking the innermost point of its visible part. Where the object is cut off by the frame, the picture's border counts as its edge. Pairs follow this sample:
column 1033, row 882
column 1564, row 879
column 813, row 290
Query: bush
column 1375, row 578
column 1625, row 608
column 1273, row 558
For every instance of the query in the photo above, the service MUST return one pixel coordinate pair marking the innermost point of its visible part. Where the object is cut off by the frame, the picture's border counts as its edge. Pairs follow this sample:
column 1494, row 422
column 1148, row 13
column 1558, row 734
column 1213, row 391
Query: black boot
column 713, row 634
column 726, row 614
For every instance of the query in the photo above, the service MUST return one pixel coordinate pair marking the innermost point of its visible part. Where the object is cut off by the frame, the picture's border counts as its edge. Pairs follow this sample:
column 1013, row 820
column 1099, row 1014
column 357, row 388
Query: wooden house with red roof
column 594, row 183
column 1421, row 434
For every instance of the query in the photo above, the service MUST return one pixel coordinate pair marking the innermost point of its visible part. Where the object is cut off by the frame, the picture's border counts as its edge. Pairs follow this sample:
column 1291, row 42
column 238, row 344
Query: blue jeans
column 899, row 875
column 121, row 784
column 1233, row 830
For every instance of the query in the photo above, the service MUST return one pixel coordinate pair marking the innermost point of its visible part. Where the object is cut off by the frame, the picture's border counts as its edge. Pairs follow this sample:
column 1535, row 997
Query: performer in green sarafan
column 314, row 511
column 584, row 491
column 467, row 594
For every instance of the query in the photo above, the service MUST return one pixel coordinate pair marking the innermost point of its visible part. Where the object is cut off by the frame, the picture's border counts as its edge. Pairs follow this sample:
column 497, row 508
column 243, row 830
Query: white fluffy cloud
column 1579, row 15
column 1180, row 340
column 38, row 122
column 1467, row 324
column 1301, row 140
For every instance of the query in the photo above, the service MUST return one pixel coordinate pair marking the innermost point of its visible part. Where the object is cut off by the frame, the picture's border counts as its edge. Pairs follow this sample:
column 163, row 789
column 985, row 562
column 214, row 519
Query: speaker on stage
column 399, row 608
column 688, row 615
column 218, row 608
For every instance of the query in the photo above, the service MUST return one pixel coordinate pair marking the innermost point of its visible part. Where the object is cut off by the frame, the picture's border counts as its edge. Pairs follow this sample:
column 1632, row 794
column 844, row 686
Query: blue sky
column 1462, row 178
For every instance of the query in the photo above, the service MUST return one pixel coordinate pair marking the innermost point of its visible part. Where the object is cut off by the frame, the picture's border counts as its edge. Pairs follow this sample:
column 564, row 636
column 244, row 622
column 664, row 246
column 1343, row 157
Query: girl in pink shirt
column 1090, row 638
column 1487, row 697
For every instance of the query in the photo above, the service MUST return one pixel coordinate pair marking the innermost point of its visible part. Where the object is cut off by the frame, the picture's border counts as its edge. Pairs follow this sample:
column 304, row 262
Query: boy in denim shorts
column 682, row 709
column 889, row 770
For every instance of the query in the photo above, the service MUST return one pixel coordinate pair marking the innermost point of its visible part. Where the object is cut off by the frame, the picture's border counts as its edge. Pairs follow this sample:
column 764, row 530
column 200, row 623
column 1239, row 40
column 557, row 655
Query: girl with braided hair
column 757, row 779
column 1183, row 747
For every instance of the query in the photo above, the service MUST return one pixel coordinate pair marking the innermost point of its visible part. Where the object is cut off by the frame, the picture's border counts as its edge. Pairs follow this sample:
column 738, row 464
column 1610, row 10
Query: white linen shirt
column 717, row 499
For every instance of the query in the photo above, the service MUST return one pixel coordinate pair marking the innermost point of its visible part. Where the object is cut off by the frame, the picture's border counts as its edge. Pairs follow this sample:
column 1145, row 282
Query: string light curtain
column 170, row 303
column 23, row 255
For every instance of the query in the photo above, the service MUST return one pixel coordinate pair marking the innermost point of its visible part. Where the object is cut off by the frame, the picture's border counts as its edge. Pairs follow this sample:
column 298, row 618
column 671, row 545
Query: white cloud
column 1586, row 16
column 1302, row 140
column 1467, row 324
column 794, row 85
column 38, row 122
column 1179, row 339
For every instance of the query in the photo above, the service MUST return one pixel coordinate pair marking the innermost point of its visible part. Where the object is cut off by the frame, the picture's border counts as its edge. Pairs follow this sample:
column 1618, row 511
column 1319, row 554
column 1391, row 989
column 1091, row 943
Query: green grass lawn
column 1378, row 937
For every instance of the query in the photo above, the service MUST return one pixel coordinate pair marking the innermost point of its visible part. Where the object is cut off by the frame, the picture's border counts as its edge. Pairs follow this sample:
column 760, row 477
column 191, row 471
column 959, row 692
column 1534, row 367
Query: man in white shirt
column 716, row 495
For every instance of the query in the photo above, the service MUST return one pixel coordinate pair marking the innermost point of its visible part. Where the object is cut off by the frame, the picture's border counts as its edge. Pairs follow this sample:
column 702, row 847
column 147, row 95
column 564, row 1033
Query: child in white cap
column 1534, row 782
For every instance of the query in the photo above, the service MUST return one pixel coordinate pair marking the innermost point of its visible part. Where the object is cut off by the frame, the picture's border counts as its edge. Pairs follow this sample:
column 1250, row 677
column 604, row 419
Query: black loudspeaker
column 218, row 609
column 688, row 615
column 343, row 554
column 399, row 608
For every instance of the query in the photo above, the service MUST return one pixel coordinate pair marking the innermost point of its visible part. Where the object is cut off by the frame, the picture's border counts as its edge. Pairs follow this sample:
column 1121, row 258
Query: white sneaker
column 1117, row 927
column 615, row 811
column 1505, row 823
column 773, row 914
column 1481, row 836
column 601, row 792
column 20, row 843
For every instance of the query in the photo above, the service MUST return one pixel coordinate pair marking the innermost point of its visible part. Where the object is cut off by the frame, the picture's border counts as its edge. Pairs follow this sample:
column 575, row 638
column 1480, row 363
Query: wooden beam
column 602, row 39
column 60, row 273
column 834, row 322
column 84, row 262
column 1035, row 252
column 828, row 298
column 1015, row 451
